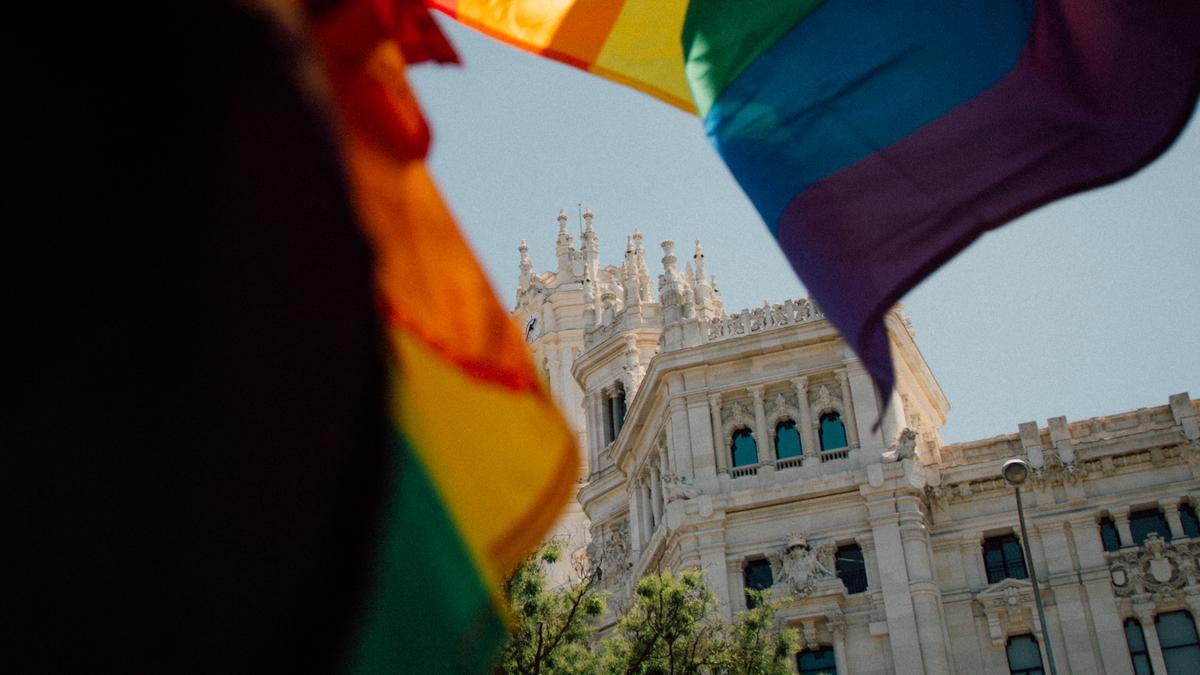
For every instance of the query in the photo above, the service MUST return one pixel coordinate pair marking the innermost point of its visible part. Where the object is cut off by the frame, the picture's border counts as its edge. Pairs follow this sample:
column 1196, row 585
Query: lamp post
column 1015, row 471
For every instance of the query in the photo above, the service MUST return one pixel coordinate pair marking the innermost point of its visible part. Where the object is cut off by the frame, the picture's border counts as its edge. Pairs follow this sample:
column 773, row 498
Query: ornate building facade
column 744, row 444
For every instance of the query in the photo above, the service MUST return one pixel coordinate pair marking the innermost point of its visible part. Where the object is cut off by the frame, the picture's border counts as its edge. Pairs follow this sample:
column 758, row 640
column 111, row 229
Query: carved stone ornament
column 1008, row 606
column 801, row 566
column 1158, row 568
column 677, row 487
column 1055, row 471
column 609, row 550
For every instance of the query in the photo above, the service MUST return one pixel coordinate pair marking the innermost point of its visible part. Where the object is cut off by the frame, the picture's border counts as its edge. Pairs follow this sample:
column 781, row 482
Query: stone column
column 1145, row 616
column 591, row 417
column 606, row 419
column 635, row 517
column 807, row 436
column 837, row 630
column 647, row 508
column 893, row 578
column 1170, row 509
column 762, row 438
column 656, row 494
column 1121, row 520
column 848, row 406
column 722, row 457
column 926, row 598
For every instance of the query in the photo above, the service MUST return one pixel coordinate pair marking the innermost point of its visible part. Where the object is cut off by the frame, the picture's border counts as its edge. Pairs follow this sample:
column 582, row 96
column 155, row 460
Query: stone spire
column 590, row 243
column 642, row 273
column 629, row 275
column 526, row 267
column 674, row 292
column 703, row 288
column 563, row 247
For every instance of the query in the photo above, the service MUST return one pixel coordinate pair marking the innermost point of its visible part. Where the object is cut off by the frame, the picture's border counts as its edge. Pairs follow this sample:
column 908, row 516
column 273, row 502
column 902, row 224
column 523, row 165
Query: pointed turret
column 526, row 267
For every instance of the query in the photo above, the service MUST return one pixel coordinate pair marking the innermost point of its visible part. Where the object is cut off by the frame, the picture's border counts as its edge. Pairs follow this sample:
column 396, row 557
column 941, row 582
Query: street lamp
column 1015, row 471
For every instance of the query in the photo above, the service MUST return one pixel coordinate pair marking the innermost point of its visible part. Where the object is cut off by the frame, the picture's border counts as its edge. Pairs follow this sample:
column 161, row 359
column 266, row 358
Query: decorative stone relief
column 735, row 416
column 1008, row 606
column 758, row 319
column 609, row 550
column 1158, row 568
column 677, row 487
column 1056, row 471
column 799, row 567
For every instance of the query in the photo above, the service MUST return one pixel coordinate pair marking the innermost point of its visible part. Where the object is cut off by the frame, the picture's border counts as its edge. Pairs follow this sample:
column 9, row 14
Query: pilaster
column 893, row 576
column 808, row 437
column 722, row 460
column 848, row 404
column 762, row 439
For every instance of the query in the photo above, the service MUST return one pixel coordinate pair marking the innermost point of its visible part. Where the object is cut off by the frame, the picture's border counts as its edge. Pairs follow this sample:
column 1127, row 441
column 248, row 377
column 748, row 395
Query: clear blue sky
column 1086, row 307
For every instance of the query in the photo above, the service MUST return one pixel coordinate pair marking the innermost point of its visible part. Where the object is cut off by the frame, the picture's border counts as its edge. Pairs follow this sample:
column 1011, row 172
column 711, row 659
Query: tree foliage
column 671, row 628
column 552, row 631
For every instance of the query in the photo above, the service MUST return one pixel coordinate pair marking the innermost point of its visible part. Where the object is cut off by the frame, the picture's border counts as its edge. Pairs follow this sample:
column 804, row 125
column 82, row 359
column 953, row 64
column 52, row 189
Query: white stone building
column 744, row 444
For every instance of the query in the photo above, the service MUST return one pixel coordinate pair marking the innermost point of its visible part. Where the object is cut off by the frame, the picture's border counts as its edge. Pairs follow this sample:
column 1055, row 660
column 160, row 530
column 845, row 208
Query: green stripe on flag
column 722, row 37
column 429, row 610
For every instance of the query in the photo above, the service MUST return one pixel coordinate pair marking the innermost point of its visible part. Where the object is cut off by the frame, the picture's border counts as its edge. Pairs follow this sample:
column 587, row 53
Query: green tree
column 551, row 632
column 670, row 629
column 754, row 645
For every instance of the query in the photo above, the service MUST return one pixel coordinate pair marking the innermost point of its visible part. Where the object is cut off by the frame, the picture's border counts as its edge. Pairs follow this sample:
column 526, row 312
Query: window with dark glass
column 756, row 576
column 1109, row 537
column 1191, row 526
column 1137, row 648
column 832, row 432
column 850, row 568
column 1179, row 643
column 1003, row 559
column 744, row 449
column 1142, row 523
column 816, row 662
column 787, row 440
column 1024, row 657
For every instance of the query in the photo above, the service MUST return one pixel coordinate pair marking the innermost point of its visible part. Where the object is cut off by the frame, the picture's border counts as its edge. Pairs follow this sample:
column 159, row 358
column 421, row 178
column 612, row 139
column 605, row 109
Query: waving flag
column 485, row 460
column 878, row 139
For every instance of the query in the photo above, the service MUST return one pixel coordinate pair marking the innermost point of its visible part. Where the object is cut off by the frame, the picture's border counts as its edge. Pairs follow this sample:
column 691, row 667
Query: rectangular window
column 1109, row 537
column 1191, row 526
column 1137, row 648
column 756, row 576
column 816, row 662
column 1024, row 656
column 1142, row 523
column 1003, row 558
column 851, row 569
column 1180, row 645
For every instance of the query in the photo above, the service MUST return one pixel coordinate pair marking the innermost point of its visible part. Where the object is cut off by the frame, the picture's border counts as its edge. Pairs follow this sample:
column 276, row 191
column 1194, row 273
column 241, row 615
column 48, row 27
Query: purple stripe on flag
column 1102, row 88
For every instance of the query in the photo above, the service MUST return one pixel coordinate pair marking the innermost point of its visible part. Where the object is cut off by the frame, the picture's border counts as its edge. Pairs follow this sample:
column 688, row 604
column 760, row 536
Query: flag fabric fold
column 877, row 140
column 484, row 460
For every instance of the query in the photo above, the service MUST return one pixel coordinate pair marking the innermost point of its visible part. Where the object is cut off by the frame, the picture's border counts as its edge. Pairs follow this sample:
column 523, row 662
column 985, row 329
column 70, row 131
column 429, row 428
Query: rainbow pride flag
column 878, row 139
column 485, row 461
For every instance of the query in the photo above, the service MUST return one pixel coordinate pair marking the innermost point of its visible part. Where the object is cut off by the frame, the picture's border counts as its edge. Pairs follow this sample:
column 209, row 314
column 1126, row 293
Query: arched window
column 787, row 440
column 819, row 661
column 1137, row 648
column 744, row 449
column 1180, row 645
column 1024, row 657
column 832, row 432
